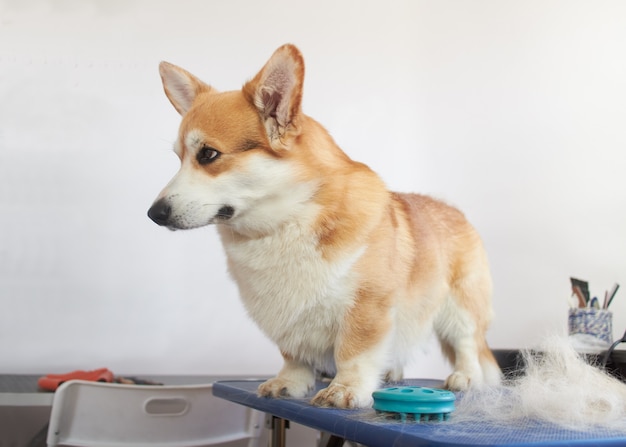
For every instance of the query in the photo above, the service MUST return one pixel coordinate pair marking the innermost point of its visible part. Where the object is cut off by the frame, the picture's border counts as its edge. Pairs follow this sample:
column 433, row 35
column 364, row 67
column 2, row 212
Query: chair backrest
column 93, row 414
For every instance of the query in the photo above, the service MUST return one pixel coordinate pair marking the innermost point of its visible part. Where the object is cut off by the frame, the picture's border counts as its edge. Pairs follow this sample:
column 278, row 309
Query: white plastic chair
column 93, row 414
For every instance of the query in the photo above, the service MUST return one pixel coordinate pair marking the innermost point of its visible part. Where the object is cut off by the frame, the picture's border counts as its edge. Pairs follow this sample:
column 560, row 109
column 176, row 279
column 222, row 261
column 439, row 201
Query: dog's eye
column 207, row 155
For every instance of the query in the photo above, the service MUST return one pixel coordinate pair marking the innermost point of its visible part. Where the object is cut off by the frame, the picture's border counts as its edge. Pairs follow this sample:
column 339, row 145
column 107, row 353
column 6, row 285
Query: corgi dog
column 345, row 276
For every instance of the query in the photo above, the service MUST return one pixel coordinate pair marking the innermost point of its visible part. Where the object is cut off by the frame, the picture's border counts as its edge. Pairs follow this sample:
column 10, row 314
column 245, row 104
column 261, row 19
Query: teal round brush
column 414, row 403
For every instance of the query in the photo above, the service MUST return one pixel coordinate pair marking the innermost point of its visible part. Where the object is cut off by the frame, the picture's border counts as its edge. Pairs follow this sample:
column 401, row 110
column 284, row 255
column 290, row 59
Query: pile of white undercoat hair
column 558, row 386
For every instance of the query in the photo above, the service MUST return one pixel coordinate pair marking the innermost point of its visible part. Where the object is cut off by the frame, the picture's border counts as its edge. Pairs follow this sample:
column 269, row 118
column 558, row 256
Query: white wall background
column 514, row 111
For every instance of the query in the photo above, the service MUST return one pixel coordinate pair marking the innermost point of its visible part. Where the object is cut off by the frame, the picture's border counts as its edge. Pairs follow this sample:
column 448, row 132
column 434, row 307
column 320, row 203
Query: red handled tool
column 51, row 382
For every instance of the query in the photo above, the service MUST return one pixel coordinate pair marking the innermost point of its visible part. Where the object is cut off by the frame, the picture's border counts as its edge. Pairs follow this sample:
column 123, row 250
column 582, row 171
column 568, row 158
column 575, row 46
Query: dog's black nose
column 225, row 212
column 160, row 212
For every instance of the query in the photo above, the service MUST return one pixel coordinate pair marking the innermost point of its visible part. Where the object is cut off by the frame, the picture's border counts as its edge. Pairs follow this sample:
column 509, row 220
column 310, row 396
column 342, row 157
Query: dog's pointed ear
column 276, row 92
column 181, row 87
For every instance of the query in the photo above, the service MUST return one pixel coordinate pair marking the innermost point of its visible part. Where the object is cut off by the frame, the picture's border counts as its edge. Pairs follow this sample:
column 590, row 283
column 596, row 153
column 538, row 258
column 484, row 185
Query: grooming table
column 364, row 427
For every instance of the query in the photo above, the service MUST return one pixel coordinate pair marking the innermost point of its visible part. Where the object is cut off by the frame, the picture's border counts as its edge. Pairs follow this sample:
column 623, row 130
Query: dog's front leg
column 361, row 353
column 295, row 379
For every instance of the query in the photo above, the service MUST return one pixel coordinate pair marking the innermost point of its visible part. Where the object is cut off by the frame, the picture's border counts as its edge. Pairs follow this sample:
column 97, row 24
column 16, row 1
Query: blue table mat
column 365, row 427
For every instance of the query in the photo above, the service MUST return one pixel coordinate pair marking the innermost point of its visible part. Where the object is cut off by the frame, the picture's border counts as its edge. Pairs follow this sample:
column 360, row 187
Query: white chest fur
column 295, row 296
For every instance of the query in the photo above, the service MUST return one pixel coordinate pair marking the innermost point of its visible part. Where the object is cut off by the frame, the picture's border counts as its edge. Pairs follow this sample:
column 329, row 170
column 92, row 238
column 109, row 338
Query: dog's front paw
column 281, row 387
column 341, row 396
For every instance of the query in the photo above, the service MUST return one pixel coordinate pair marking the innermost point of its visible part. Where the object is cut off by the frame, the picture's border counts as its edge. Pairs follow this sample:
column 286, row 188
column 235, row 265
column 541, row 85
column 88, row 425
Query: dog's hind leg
column 492, row 374
column 394, row 375
column 462, row 352
column 474, row 366
column 461, row 326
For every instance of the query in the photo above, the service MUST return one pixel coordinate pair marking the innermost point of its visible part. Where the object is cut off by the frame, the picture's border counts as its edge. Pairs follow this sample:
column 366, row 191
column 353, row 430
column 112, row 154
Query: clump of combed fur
column 558, row 387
